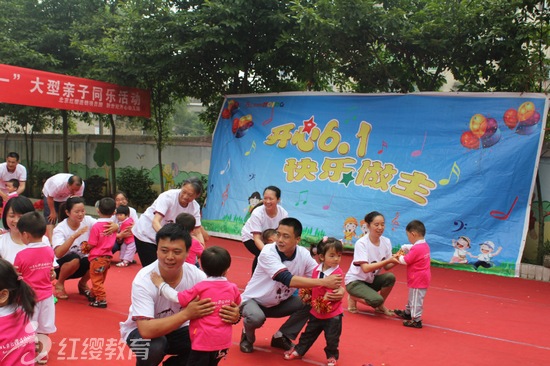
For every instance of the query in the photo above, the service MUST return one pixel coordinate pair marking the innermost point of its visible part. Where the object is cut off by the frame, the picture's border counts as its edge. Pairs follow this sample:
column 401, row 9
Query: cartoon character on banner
column 364, row 228
column 350, row 225
column 484, row 258
column 253, row 201
column 461, row 245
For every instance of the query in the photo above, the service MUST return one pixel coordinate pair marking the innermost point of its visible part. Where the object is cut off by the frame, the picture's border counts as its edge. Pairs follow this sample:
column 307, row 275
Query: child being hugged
column 210, row 336
column 188, row 221
column 35, row 264
column 417, row 260
column 325, row 316
column 17, row 301
column 128, row 246
column 100, row 246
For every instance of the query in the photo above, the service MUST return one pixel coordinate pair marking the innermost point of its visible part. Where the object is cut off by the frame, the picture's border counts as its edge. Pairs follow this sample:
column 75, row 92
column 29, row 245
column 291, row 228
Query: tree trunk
column 65, row 118
column 113, row 148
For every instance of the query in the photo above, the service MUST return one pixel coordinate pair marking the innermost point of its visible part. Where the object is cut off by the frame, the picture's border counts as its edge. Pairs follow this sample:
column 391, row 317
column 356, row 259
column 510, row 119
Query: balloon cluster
column 484, row 132
column 523, row 120
column 230, row 110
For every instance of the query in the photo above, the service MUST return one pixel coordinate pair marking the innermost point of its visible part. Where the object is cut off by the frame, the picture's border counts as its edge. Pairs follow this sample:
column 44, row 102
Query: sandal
column 60, row 293
column 124, row 263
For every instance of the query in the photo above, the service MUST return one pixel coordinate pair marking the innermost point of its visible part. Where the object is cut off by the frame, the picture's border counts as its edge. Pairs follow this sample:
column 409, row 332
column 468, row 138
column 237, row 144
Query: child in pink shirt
column 100, row 248
column 11, row 186
column 35, row 263
column 210, row 336
column 417, row 259
column 194, row 253
column 16, row 308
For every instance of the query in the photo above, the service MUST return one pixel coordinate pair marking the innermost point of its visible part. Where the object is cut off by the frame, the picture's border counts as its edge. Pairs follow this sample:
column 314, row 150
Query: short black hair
column 174, row 232
column 19, row 205
column 187, row 221
column 416, row 226
column 107, row 206
column 293, row 223
column 13, row 154
column 75, row 179
column 125, row 210
column 215, row 261
column 32, row 223
column 14, row 182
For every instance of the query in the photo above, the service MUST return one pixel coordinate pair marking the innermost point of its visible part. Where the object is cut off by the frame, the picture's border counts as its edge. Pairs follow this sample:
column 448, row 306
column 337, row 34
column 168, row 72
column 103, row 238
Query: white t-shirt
column 146, row 301
column 259, row 221
column 20, row 173
column 9, row 248
column 366, row 252
column 62, row 232
column 166, row 204
column 57, row 187
column 263, row 288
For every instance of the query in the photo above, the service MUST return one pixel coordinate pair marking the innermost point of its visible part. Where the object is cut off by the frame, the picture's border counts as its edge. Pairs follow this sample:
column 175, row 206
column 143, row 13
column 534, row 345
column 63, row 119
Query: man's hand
column 230, row 313
column 332, row 281
column 53, row 217
column 199, row 308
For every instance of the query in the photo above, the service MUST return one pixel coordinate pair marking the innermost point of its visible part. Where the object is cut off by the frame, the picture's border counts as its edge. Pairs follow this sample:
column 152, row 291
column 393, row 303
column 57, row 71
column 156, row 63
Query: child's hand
column 156, row 278
column 53, row 276
column 85, row 247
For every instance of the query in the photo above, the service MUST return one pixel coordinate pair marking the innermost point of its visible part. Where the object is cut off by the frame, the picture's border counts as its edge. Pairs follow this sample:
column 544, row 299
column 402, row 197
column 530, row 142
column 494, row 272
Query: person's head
column 121, row 199
column 487, row 247
column 74, row 183
column 14, row 209
column 215, row 261
column 122, row 212
column 32, row 227
column 375, row 224
column 106, row 207
column 289, row 234
column 350, row 224
column 12, row 185
column 462, row 242
column 173, row 243
column 254, row 199
column 15, row 291
column 269, row 236
column 313, row 252
column 330, row 251
column 73, row 209
column 415, row 231
column 191, row 189
column 12, row 159
column 187, row 221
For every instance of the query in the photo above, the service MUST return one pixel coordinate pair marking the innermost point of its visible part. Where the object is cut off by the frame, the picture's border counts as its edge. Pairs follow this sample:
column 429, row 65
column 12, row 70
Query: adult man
column 11, row 169
column 282, row 267
column 157, row 327
column 57, row 189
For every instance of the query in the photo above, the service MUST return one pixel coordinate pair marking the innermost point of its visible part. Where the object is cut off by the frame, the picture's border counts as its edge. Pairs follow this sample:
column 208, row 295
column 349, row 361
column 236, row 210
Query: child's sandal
column 123, row 264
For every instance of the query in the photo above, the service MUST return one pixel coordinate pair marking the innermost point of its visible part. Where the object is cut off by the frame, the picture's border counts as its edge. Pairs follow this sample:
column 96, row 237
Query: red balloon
column 469, row 140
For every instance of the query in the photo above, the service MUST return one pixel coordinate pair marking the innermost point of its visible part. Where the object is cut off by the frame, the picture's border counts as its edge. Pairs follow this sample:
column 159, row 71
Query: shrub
column 136, row 183
column 94, row 189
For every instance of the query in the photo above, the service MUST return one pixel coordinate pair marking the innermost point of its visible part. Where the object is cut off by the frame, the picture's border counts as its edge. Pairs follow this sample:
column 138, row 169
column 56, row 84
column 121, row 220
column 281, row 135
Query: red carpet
column 469, row 319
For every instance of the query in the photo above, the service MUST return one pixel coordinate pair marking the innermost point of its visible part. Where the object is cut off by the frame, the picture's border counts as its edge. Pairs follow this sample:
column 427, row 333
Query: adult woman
column 372, row 252
column 11, row 242
column 266, row 216
column 67, row 238
column 121, row 199
column 165, row 209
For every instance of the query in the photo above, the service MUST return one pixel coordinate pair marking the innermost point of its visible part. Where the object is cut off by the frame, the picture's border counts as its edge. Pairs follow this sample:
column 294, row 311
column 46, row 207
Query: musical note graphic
column 251, row 176
column 227, row 167
column 326, row 207
column 454, row 170
column 394, row 222
column 225, row 195
column 268, row 121
column 304, row 201
column 384, row 146
column 499, row 215
column 252, row 147
column 461, row 225
column 416, row 153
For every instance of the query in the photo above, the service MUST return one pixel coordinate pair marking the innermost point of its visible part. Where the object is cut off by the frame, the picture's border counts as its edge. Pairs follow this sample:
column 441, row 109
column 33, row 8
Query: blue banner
column 464, row 164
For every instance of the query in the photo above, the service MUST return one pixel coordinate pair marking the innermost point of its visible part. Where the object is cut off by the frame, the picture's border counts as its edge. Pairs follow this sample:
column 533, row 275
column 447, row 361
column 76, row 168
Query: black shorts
column 82, row 269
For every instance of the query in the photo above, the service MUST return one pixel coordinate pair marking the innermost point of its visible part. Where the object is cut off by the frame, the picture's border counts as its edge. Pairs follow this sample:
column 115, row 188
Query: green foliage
column 94, row 189
column 39, row 176
column 102, row 154
column 136, row 183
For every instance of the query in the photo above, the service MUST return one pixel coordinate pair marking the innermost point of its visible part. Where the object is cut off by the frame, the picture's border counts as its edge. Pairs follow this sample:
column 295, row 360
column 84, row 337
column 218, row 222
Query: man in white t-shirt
column 11, row 169
column 156, row 326
column 282, row 268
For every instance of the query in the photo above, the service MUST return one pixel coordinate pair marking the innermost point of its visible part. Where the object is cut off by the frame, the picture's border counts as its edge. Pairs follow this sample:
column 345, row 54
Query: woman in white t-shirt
column 10, row 242
column 263, row 217
column 372, row 253
column 165, row 209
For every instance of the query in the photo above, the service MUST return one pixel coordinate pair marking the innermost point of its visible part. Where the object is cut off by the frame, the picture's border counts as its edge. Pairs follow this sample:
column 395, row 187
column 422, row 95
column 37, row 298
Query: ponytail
column 20, row 293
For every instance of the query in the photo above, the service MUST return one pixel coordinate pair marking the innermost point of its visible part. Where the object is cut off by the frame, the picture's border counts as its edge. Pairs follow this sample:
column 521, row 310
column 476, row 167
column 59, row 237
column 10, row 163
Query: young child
column 11, row 186
column 325, row 315
column 188, row 221
column 128, row 246
column 17, row 300
column 484, row 258
column 100, row 252
column 269, row 236
column 210, row 336
column 417, row 259
column 35, row 263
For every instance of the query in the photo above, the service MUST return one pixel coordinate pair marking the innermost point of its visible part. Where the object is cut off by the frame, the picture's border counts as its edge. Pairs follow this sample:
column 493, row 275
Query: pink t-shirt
column 101, row 244
column 195, row 251
column 320, row 291
column 418, row 266
column 123, row 226
column 35, row 263
column 16, row 338
column 210, row 333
